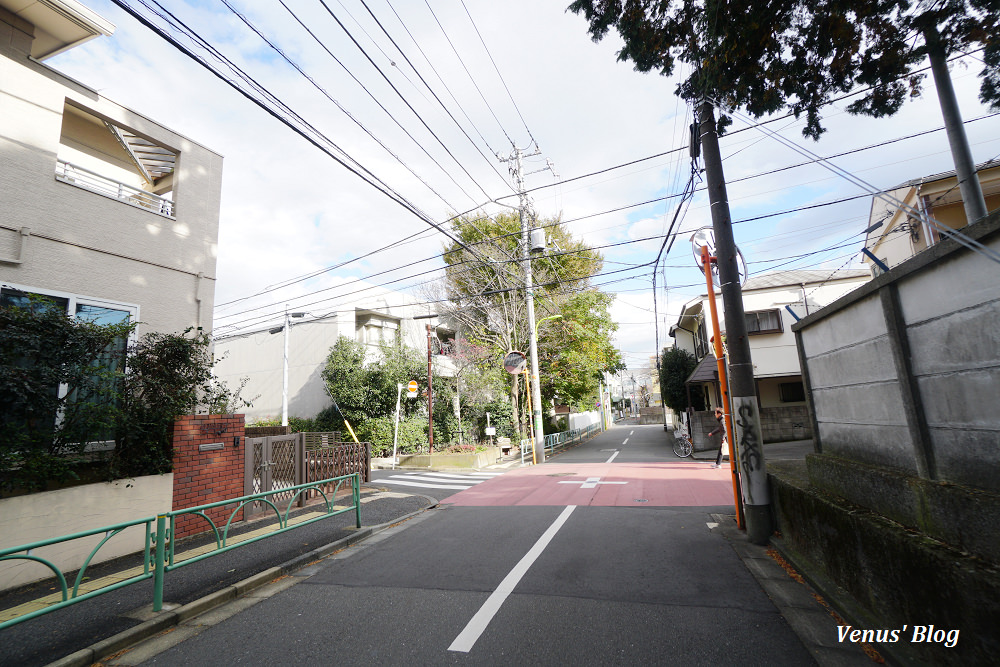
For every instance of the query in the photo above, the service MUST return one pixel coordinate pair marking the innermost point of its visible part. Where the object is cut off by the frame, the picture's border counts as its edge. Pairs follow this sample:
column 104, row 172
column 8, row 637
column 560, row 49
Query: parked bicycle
column 683, row 445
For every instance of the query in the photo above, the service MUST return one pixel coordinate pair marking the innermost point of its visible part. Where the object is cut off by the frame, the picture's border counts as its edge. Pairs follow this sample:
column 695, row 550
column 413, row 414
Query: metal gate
column 278, row 462
column 271, row 464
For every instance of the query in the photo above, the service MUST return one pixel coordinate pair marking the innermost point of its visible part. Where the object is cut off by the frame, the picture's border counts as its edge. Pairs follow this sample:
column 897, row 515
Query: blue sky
column 289, row 210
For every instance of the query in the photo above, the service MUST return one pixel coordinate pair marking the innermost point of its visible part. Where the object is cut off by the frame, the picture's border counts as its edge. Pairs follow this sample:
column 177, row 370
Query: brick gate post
column 208, row 468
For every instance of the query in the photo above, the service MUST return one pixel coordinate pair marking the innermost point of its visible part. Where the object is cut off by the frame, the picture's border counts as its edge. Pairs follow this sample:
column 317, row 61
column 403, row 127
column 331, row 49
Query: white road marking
column 613, row 456
column 479, row 477
column 711, row 525
column 424, row 485
column 474, row 629
column 625, row 441
column 590, row 482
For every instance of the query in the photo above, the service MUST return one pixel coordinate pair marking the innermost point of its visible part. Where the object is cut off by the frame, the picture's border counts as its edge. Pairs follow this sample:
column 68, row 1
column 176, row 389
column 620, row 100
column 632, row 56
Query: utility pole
column 284, row 366
column 535, row 389
column 965, row 168
column 750, row 447
column 430, row 392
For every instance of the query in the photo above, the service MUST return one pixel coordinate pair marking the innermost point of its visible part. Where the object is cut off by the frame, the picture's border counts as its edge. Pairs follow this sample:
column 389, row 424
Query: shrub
column 46, row 435
column 378, row 431
column 44, row 432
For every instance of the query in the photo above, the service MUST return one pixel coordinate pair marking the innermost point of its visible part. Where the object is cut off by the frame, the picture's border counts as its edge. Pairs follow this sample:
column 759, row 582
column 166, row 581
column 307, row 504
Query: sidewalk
column 111, row 622
column 796, row 449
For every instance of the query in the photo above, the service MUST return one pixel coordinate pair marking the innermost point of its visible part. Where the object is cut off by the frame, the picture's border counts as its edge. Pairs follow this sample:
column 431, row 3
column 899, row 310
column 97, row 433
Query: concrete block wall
column 786, row 423
column 204, row 474
column 902, row 378
column 904, row 372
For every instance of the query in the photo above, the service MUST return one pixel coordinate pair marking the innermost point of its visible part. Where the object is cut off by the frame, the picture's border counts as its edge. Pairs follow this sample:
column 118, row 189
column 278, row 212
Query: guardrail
column 160, row 555
column 557, row 441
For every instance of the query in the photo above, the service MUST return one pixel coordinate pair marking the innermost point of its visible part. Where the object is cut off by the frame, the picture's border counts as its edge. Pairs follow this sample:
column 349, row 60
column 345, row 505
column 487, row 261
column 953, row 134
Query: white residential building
column 104, row 209
column 258, row 355
column 772, row 303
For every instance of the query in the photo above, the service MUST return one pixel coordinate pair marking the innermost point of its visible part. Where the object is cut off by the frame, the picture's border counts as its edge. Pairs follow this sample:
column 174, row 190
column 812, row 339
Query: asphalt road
column 606, row 554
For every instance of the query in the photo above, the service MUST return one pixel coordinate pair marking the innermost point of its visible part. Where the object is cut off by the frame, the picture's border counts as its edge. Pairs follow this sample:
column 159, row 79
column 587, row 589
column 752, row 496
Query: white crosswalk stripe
column 439, row 480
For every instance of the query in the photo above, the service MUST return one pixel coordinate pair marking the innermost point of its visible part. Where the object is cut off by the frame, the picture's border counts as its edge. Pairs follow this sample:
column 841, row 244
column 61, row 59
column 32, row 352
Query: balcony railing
column 102, row 185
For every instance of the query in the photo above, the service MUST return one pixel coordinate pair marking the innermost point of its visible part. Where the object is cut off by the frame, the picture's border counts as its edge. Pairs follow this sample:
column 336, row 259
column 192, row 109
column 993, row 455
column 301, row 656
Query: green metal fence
column 556, row 441
column 160, row 554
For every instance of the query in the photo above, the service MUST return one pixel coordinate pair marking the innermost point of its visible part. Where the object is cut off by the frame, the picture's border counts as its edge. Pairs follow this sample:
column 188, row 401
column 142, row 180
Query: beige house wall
column 901, row 237
column 85, row 243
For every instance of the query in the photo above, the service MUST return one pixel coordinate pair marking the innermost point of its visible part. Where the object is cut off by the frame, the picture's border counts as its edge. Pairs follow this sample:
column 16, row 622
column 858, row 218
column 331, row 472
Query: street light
column 284, row 376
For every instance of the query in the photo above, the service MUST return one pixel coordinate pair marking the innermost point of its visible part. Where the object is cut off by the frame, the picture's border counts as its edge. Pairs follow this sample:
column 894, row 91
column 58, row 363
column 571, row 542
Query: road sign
column 411, row 389
column 515, row 362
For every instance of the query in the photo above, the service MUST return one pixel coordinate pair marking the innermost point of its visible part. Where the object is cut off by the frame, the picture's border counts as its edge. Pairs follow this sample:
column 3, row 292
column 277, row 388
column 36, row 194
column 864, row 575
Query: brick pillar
column 204, row 472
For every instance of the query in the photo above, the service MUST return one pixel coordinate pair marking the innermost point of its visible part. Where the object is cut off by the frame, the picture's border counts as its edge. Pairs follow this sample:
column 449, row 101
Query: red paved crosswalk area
column 680, row 484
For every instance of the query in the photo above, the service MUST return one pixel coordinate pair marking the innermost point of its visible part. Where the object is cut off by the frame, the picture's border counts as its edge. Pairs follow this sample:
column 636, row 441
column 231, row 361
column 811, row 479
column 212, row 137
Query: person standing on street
column 719, row 416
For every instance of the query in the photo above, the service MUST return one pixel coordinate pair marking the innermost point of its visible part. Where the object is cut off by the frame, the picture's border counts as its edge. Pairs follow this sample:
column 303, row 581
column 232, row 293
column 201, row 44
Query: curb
column 169, row 619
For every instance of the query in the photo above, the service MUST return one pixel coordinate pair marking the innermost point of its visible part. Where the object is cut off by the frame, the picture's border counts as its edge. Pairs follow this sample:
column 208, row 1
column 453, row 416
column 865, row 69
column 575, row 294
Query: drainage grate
column 641, row 500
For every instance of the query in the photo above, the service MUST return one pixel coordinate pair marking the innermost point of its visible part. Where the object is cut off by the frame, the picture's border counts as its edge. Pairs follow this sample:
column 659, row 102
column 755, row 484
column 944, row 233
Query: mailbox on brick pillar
column 208, row 467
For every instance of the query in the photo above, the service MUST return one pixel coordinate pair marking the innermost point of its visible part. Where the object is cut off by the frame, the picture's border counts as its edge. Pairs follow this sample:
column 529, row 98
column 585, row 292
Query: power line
column 431, row 90
column 471, row 78
column 847, row 175
column 505, row 87
column 400, row 95
column 343, row 109
column 318, row 141
column 366, row 176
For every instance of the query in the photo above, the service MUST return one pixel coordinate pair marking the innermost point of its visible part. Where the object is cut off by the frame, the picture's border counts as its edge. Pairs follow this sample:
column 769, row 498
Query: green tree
column 575, row 351
column 366, row 389
column 799, row 54
column 487, row 297
column 676, row 366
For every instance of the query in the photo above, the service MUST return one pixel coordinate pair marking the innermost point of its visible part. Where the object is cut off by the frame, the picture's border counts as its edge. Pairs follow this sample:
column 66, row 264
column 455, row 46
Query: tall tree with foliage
column 487, row 297
column 365, row 388
column 799, row 54
column 575, row 351
column 676, row 366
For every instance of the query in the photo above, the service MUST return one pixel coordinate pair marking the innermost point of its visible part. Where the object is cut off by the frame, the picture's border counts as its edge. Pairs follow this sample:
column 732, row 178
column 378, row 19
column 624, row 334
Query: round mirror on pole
column 704, row 237
column 515, row 362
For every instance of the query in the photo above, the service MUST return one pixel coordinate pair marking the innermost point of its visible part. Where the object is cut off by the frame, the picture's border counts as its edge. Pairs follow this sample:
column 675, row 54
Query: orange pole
column 531, row 418
column 706, row 262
